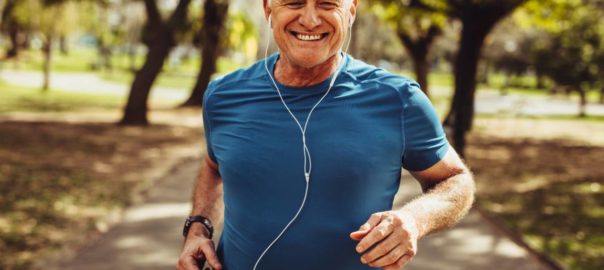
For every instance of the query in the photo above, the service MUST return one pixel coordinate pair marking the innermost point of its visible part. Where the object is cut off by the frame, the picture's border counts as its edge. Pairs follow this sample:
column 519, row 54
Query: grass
column 15, row 98
column 181, row 75
column 66, row 180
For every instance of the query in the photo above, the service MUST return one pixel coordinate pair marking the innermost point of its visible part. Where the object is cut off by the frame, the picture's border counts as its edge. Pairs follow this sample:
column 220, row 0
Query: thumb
column 358, row 235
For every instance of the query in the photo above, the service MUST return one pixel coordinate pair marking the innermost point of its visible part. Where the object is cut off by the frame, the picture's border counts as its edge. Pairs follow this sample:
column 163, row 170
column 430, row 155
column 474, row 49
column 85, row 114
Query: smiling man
column 304, row 156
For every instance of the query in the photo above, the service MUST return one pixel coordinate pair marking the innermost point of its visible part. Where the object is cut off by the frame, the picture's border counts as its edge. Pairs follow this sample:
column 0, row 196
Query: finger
column 210, row 255
column 402, row 261
column 187, row 262
column 358, row 235
column 390, row 257
column 382, row 249
column 373, row 220
column 380, row 232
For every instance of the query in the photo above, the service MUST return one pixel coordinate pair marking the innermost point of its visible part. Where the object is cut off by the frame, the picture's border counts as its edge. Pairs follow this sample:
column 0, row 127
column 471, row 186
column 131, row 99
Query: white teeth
column 308, row 37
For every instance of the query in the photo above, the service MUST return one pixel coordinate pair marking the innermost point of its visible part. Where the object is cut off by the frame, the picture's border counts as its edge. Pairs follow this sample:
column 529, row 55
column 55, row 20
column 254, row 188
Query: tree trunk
column 215, row 13
column 419, row 50
column 13, row 33
column 421, row 66
column 135, row 112
column 160, row 40
column 582, row 101
column 462, row 107
column 63, row 45
column 47, row 50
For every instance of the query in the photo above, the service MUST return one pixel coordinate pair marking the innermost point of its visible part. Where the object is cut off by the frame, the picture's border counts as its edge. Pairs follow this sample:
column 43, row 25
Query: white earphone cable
column 306, row 151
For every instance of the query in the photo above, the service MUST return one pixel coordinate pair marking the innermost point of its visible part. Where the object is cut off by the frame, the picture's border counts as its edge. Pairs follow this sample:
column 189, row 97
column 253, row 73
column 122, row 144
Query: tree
column 215, row 13
column 478, row 19
column 159, row 37
column 573, row 54
column 417, row 30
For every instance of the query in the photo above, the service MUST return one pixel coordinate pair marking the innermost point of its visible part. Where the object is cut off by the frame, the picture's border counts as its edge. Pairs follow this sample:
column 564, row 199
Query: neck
column 290, row 74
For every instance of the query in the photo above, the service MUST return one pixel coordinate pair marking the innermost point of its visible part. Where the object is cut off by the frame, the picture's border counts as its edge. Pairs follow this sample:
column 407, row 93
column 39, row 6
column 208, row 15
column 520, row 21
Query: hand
column 197, row 247
column 393, row 236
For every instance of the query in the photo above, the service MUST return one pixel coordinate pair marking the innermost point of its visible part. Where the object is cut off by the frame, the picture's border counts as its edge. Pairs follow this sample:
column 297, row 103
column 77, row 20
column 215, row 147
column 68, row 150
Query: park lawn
column 81, row 59
column 17, row 98
column 69, row 182
column 543, row 179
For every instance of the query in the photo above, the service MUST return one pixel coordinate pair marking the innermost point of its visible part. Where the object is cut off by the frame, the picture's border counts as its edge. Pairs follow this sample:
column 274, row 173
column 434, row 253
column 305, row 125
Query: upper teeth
column 308, row 37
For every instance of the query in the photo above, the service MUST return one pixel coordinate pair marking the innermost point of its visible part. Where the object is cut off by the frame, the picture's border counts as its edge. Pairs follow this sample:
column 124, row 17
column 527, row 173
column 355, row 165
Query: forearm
column 207, row 196
column 442, row 205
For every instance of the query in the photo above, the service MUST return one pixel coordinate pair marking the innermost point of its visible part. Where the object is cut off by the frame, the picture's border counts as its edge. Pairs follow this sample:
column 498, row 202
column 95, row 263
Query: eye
column 329, row 4
column 295, row 4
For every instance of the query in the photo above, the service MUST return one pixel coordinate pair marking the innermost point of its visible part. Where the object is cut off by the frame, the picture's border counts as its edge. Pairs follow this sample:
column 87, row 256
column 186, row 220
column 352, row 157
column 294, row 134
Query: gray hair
column 345, row 1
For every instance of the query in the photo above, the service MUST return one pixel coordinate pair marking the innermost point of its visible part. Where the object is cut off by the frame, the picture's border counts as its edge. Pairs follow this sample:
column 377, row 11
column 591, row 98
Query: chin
column 309, row 60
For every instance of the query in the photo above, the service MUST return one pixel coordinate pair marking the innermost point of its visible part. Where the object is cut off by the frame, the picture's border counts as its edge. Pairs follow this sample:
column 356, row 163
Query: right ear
column 267, row 9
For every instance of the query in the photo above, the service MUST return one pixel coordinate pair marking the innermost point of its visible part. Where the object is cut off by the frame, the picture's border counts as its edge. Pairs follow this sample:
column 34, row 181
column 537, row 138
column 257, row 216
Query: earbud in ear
column 350, row 21
column 270, row 22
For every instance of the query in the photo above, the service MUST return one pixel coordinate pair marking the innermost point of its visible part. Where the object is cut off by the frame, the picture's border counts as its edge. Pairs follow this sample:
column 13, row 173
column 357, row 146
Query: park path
column 150, row 236
column 488, row 101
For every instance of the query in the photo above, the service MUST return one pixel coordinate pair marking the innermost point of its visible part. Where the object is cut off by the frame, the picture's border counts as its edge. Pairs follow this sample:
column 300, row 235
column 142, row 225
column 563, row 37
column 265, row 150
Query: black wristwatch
column 192, row 219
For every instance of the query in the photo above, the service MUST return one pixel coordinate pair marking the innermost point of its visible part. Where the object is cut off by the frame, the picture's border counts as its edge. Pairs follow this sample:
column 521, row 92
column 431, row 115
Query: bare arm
column 448, row 195
column 208, row 202
column 389, row 239
column 207, row 196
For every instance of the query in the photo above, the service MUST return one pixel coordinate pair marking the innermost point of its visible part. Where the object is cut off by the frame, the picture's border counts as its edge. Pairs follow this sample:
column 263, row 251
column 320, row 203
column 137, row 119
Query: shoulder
column 239, row 77
column 366, row 74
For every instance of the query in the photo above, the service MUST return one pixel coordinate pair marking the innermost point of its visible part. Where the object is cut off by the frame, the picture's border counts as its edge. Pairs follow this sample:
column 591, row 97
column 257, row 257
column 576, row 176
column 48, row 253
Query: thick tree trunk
column 160, row 40
column 215, row 13
column 421, row 68
column 47, row 50
column 461, row 113
column 419, row 50
column 13, row 34
column 135, row 112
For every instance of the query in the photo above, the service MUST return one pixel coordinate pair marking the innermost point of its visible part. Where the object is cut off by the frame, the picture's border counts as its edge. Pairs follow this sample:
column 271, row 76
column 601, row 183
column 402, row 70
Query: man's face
column 309, row 32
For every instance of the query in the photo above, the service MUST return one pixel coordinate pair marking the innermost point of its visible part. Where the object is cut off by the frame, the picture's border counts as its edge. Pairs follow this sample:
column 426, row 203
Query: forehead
column 341, row 1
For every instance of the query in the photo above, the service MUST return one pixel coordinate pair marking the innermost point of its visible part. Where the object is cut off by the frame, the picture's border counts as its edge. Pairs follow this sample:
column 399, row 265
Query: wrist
column 199, row 230
column 410, row 223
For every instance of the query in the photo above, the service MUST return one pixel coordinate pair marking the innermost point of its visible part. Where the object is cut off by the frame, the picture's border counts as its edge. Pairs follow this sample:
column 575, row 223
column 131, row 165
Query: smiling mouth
column 308, row 37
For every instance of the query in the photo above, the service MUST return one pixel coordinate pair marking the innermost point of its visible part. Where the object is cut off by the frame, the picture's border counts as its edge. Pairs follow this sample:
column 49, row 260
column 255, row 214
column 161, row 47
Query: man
column 366, row 124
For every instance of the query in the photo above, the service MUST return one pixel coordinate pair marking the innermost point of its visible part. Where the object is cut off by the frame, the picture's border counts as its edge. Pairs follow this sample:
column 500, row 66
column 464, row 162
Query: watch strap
column 201, row 219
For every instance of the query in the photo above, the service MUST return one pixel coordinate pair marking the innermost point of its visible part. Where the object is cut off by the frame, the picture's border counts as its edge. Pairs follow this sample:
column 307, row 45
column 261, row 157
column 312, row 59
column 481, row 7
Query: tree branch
column 153, row 15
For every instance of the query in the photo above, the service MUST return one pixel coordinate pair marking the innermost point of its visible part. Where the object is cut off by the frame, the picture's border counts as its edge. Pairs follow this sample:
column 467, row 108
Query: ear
column 353, row 12
column 267, row 9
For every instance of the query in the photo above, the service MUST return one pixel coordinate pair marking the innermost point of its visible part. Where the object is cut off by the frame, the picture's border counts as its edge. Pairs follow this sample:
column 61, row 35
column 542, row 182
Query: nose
column 309, row 17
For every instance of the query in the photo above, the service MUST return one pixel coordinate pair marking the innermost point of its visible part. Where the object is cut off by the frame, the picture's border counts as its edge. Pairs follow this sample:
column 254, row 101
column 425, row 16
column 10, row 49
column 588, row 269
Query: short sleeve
column 425, row 142
column 207, row 122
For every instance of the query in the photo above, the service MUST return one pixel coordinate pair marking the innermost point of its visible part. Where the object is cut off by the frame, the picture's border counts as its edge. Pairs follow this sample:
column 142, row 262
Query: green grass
column 15, row 98
column 79, row 59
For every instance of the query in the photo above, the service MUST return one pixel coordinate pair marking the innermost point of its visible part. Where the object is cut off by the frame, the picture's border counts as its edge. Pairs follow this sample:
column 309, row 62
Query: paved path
column 149, row 237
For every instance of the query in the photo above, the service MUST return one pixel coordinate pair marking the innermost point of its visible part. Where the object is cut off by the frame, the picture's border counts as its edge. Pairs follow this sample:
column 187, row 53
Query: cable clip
column 307, row 175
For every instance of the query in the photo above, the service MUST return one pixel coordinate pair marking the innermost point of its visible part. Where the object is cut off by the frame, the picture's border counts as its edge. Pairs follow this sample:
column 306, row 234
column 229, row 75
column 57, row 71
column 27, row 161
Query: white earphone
column 270, row 22
column 307, row 159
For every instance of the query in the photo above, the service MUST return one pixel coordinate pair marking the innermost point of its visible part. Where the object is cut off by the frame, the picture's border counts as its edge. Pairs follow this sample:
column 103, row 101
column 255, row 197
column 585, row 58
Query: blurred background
column 99, row 99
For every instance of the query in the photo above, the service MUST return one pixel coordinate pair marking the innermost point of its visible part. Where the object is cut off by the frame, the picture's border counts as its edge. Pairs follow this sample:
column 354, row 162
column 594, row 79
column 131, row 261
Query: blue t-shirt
column 370, row 125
